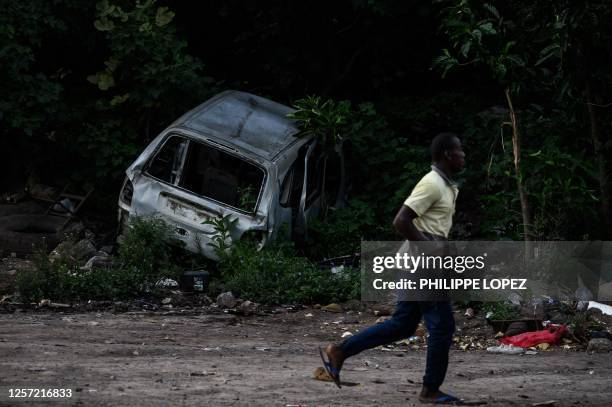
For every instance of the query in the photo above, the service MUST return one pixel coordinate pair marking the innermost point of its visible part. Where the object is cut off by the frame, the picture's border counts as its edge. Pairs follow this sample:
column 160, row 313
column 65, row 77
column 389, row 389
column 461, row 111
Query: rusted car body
column 236, row 154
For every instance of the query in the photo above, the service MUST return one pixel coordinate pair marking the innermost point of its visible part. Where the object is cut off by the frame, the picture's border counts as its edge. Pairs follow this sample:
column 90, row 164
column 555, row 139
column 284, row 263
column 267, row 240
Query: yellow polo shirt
column 433, row 200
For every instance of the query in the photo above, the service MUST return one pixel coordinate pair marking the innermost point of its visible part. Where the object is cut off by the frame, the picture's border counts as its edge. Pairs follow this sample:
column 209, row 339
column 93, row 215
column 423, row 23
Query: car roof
column 244, row 120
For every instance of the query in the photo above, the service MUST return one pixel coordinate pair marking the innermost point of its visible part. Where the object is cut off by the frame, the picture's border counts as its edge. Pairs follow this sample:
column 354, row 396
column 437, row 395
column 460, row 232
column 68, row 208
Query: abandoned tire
column 23, row 234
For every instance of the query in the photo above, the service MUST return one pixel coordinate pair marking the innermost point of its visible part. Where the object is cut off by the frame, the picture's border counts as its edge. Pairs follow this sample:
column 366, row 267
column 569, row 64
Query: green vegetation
column 87, row 85
column 278, row 275
column 499, row 311
column 144, row 257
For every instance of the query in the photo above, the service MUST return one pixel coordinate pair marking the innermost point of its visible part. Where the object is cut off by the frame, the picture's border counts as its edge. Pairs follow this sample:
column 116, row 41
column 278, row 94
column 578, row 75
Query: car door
column 312, row 196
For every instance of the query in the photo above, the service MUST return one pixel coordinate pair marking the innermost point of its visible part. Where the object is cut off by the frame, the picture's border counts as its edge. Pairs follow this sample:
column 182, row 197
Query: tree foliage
column 86, row 85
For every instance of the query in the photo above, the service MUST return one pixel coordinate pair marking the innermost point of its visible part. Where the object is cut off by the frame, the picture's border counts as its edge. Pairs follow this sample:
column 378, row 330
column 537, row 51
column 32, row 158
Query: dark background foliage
column 87, row 84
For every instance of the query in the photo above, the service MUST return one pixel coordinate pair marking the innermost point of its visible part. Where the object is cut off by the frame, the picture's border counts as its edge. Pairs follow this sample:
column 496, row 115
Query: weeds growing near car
column 276, row 274
column 144, row 258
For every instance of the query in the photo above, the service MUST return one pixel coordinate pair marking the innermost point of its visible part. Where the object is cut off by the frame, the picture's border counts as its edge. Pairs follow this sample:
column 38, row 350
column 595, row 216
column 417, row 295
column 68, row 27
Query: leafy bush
column 276, row 275
column 341, row 233
column 144, row 257
column 500, row 311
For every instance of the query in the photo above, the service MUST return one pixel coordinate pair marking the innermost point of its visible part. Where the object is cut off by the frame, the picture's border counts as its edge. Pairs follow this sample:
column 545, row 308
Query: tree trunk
column 602, row 165
column 516, row 148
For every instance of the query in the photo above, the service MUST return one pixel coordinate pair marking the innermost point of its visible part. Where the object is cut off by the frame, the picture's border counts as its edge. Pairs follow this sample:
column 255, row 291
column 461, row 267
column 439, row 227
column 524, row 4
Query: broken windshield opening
column 167, row 162
column 209, row 172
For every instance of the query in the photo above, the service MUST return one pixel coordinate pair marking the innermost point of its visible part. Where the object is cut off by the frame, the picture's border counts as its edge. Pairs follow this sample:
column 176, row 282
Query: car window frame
column 217, row 146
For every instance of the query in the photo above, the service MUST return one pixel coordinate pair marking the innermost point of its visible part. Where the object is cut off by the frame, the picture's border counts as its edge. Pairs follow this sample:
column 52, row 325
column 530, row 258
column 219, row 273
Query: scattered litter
column 531, row 352
column 309, row 315
column 166, row 300
column 135, row 353
column 605, row 309
column 545, row 403
column 371, row 364
column 469, row 313
column 506, row 349
column 345, row 334
column 552, row 335
column 216, row 348
column 166, row 283
column 48, row 303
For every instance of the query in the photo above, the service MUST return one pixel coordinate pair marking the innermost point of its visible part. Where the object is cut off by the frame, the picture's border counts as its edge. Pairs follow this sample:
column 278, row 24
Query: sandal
column 333, row 372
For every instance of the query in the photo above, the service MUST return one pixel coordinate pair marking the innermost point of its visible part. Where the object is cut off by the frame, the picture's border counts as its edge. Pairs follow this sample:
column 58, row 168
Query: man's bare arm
column 403, row 224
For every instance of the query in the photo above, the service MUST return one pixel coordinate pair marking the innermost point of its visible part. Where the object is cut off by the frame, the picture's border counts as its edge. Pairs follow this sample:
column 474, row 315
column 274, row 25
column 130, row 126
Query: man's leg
column 441, row 326
column 401, row 325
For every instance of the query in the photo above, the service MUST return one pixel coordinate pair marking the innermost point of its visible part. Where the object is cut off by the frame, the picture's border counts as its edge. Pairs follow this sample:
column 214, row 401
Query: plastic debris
column 506, row 349
column 552, row 335
column 605, row 309
column 166, row 283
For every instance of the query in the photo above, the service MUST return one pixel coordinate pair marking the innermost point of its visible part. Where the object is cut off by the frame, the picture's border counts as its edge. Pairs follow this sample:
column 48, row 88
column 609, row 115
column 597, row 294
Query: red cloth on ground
column 552, row 334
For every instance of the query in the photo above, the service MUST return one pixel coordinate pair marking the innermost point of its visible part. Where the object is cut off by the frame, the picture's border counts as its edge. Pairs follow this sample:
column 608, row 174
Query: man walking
column 427, row 214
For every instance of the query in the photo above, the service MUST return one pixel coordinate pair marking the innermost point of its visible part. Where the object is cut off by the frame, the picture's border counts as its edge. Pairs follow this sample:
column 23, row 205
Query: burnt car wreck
column 236, row 154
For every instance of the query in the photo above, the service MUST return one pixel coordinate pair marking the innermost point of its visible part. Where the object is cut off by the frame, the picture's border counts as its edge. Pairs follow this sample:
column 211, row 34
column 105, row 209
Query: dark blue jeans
column 440, row 324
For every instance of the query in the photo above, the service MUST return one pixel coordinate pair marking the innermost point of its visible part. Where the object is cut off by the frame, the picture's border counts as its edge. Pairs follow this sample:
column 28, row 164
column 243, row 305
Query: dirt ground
column 193, row 358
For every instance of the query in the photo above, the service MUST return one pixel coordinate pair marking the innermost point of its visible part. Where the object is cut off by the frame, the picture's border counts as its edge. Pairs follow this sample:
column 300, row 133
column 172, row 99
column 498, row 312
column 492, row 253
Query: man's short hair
column 441, row 143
